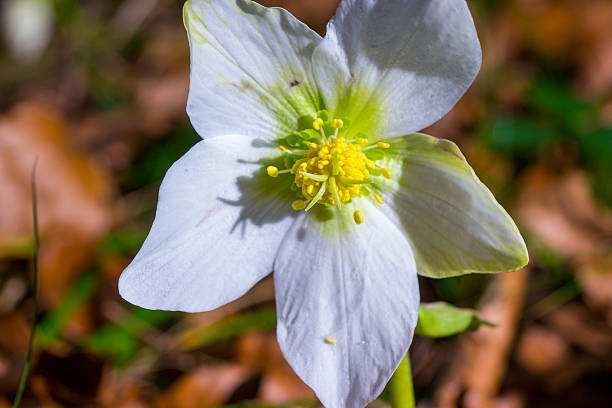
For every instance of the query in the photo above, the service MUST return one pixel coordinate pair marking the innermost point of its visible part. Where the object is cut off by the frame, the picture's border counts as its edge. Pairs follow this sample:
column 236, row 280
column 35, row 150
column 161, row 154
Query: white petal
column 453, row 221
column 414, row 59
column 357, row 287
column 250, row 68
column 216, row 232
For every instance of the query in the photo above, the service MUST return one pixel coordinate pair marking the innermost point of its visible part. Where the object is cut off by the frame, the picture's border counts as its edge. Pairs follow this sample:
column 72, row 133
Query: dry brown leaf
column 561, row 212
column 73, row 194
column 579, row 327
column 595, row 277
column 162, row 99
column 314, row 13
column 483, row 357
column 207, row 386
column 279, row 384
column 15, row 331
column 488, row 349
column 541, row 350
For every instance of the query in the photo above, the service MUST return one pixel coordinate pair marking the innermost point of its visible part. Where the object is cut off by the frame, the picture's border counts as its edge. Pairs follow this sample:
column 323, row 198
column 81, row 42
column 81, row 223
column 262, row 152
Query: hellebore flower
column 352, row 206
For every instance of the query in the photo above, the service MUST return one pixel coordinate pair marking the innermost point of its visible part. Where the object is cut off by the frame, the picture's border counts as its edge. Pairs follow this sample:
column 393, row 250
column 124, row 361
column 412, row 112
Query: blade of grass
column 26, row 366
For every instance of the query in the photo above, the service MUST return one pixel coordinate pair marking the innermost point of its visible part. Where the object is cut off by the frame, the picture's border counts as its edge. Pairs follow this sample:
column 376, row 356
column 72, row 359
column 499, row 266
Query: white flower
column 345, row 275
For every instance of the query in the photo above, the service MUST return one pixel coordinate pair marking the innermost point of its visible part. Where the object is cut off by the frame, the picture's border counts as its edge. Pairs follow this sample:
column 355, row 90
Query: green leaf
column 232, row 326
column 440, row 319
column 121, row 340
column 53, row 324
column 519, row 136
column 596, row 151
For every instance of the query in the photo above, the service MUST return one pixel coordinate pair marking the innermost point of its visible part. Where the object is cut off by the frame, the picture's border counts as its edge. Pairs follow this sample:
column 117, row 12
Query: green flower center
column 330, row 169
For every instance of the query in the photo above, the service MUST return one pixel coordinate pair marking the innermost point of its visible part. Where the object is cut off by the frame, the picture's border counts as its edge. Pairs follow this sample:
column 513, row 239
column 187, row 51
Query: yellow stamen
column 384, row 145
column 386, row 173
column 317, row 197
column 334, row 189
column 317, row 124
column 361, row 140
column 358, row 217
column 337, row 123
column 378, row 199
column 272, row 171
column 331, row 341
column 283, row 148
column 298, row 205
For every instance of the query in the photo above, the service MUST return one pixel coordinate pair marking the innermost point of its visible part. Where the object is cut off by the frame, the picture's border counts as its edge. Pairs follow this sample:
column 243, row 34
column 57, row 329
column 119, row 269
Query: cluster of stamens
column 331, row 170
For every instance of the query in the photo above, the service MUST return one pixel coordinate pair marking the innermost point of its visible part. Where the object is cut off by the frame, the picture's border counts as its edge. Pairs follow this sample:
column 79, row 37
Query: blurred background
column 97, row 90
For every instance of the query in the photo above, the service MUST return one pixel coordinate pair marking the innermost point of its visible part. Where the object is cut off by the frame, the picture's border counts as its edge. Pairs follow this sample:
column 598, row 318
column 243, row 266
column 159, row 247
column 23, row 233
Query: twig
column 26, row 367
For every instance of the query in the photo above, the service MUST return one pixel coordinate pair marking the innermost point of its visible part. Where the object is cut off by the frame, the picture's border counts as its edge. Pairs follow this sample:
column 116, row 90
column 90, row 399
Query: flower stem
column 26, row 367
column 400, row 386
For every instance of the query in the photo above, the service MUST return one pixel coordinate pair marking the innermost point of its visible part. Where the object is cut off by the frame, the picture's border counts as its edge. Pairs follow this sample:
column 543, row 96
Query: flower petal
column 413, row 59
column 216, row 232
column 250, row 68
column 347, row 304
column 453, row 221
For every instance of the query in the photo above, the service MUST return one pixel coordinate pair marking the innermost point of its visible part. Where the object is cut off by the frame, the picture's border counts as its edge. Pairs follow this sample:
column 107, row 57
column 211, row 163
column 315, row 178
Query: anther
column 283, row 148
column 331, row 341
column 384, row 145
column 298, row 205
column 386, row 173
column 272, row 171
column 337, row 123
column 378, row 199
column 358, row 217
column 317, row 124
column 361, row 140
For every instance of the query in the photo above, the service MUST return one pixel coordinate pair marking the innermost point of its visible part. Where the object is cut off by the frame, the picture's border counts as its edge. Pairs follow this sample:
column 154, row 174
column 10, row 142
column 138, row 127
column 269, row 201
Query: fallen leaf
column 475, row 378
column 561, row 212
column 541, row 350
column 73, row 194
column 595, row 277
column 207, row 386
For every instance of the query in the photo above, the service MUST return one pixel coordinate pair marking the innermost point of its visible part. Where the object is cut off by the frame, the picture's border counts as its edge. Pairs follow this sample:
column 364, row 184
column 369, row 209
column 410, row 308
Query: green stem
column 400, row 386
column 26, row 367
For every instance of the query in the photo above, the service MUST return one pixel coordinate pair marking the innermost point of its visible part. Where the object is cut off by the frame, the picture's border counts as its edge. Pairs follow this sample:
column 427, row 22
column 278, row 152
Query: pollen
column 331, row 169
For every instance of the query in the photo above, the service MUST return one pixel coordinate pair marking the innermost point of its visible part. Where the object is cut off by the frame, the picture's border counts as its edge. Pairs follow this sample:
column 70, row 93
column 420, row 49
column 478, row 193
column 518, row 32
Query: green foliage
column 53, row 324
column 440, row 319
column 121, row 242
column 153, row 163
column 518, row 136
column 121, row 340
column 596, row 149
column 232, row 326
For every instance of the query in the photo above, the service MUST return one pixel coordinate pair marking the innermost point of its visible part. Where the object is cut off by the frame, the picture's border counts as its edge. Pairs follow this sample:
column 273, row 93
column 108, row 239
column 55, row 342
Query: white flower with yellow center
column 310, row 168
